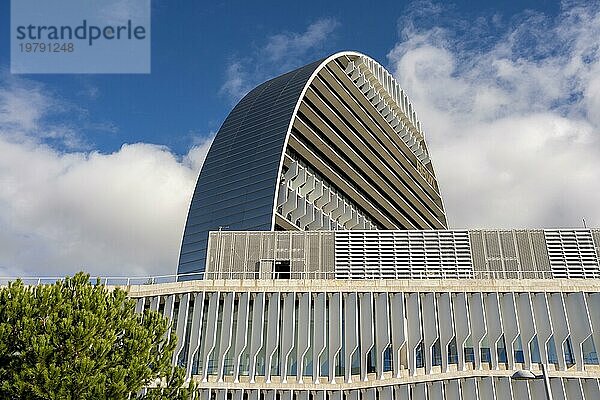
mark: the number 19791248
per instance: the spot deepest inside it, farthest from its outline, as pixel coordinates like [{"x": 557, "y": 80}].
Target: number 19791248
[{"x": 42, "y": 47}]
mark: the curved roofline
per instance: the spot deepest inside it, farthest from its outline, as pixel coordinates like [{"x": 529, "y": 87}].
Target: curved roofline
[
  {"x": 297, "y": 107},
  {"x": 239, "y": 182}
]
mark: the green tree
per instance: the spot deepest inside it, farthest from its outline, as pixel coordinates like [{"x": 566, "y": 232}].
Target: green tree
[{"x": 77, "y": 340}]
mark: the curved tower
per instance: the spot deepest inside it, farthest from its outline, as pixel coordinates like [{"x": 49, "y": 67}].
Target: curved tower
[{"x": 333, "y": 145}]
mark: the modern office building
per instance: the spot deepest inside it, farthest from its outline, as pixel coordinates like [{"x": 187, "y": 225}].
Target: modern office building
[
  {"x": 317, "y": 263},
  {"x": 334, "y": 145}
]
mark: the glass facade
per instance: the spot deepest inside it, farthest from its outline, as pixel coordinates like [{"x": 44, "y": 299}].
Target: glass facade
[{"x": 236, "y": 187}]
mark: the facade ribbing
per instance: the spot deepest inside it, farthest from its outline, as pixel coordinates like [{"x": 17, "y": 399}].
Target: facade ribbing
[{"x": 333, "y": 145}]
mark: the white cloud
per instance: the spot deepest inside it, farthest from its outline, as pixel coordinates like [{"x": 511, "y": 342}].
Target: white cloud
[
  {"x": 109, "y": 214},
  {"x": 21, "y": 107},
  {"x": 236, "y": 83},
  {"x": 281, "y": 53},
  {"x": 118, "y": 12},
  {"x": 514, "y": 129},
  {"x": 293, "y": 45},
  {"x": 24, "y": 106}
]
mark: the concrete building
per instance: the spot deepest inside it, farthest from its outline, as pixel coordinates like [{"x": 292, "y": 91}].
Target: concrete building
[{"x": 384, "y": 339}]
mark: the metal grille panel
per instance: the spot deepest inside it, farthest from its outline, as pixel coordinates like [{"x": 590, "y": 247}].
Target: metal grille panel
[
  {"x": 499, "y": 254},
  {"x": 402, "y": 254},
  {"x": 253, "y": 255},
  {"x": 596, "y": 236},
  {"x": 510, "y": 254},
  {"x": 572, "y": 253}
]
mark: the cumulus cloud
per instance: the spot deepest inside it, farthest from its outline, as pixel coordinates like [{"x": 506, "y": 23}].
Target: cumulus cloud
[
  {"x": 280, "y": 53},
  {"x": 512, "y": 119},
  {"x": 294, "y": 45},
  {"x": 113, "y": 214}
]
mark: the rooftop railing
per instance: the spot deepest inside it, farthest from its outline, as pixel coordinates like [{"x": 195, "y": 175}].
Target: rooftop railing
[
  {"x": 305, "y": 275},
  {"x": 110, "y": 280}
]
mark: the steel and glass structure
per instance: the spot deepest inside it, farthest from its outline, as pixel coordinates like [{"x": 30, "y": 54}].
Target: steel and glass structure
[
  {"x": 319, "y": 263},
  {"x": 333, "y": 145}
]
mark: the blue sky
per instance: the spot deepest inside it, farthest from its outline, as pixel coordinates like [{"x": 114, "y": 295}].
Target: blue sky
[
  {"x": 194, "y": 44},
  {"x": 96, "y": 171}
]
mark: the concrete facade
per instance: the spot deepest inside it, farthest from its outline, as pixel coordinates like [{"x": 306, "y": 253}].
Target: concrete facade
[{"x": 432, "y": 339}]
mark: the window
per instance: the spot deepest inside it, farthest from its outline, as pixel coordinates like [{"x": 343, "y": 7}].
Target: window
[{"x": 282, "y": 269}]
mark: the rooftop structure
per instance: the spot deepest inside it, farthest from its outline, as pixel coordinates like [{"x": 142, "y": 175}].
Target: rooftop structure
[{"x": 481, "y": 254}]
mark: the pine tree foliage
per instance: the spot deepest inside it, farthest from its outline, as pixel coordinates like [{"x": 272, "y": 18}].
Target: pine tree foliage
[{"x": 77, "y": 340}]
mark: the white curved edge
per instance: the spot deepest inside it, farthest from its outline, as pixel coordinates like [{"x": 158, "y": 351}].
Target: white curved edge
[{"x": 295, "y": 113}]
